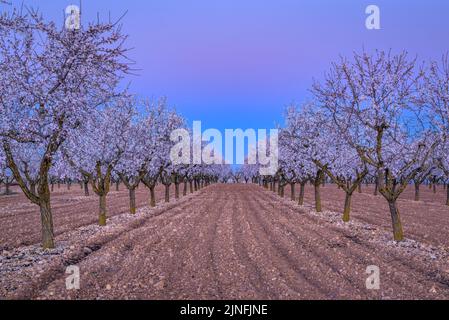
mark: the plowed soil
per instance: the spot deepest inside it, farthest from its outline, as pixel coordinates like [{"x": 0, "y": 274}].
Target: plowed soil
[
  {"x": 20, "y": 219},
  {"x": 245, "y": 242}
]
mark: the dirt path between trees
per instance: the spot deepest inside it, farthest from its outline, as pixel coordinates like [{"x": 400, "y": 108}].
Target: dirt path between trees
[{"x": 244, "y": 242}]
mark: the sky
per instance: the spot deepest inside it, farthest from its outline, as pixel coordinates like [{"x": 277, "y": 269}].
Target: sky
[{"x": 238, "y": 63}]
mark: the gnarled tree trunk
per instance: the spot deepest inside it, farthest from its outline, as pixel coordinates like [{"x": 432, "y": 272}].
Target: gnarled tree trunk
[
  {"x": 132, "y": 200},
  {"x": 396, "y": 221},
  {"x": 318, "y": 206},
  {"x": 184, "y": 191},
  {"x": 152, "y": 196},
  {"x": 301, "y": 193},
  {"x": 416, "y": 191},
  {"x": 177, "y": 190},
  {"x": 7, "y": 188},
  {"x": 103, "y": 213},
  {"x": 447, "y": 193},
  {"x": 86, "y": 188},
  {"x": 167, "y": 193},
  {"x": 46, "y": 224},
  {"x": 347, "y": 209}
]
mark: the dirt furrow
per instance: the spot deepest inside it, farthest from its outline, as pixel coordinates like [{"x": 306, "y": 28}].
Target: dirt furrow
[
  {"x": 241, "y": 242},
  {"x": 401, "y": 273}
]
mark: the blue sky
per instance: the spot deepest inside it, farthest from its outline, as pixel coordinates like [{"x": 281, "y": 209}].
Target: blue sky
[{"x": 238, "y": 63}]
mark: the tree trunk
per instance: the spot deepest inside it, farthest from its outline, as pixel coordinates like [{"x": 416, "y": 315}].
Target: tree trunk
[
  {"x": 52, "y": 187},
  {"x": 86, "y": 188},
  {"x": 7, "y": 189},
  {"x": 152, "y": 197},
  {"x": 396, "y": 221},
  {"x": 191, "y": 186},
  {"x": 102, "y": 215},
  {"x": 318, "y": 207},
  {"x": 360, "y": 188},
  {"x": 117, "y": 186},
  {"x": 292, "y": 192},
  {"x": 347, "y": 209},
  {"x": 301, "y": 194},
  {"x": 184, "y": 192},
  {"x": 176, "y": 191},
  {"x": 132, "y": 201},
  {"x": 434, "y": 188},
  {"x": 376, "y": 187},
  {"x": 47, "y": 224},
  {"x": 416, "y": 191},
  {"x": 447, "y": 192},
  {"x": 167, "y": 193}
]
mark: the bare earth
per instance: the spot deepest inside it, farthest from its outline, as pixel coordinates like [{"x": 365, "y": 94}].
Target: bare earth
[
  {"x": 239, "y": 242},
  {"x": 20, "y": 220}
]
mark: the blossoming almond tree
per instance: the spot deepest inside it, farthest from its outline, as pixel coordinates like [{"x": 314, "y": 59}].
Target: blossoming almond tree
[
  {"x": 51, "y": 79},
  {"x": 96, "y": 148},
  {"x": 435, "y": 94},
  {"x": 312, "y": 138},
  {"x": 301, "y": 136},
  {"x": 133, "y": 163},
  {"x": 372, "y": 103},
  {"x": 159, "y": 123}
]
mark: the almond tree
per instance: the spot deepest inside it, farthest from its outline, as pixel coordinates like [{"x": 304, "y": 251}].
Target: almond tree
[
  {"x": 98, "y": 146},
  {"x": 51, "y": 79},
  {"x": 151, "y": 178},
  {"x": 250, "y": 172},
  {"x": 309, "y": 131},
  {"x": 372, "y": 102},
  {"x": 338, "y": 161},
  {"x": 166, "y": 178},
  {"x": 302, "y": 140},
  {"x": 435, "y": 94},
  {"x": 225, "y": 174},
  {"x": 288, "y": 164},
  {"x": 159, "y": 123},
  {"x": 133, "y": 162}
]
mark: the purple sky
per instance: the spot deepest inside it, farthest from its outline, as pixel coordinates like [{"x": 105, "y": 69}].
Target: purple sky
[{"x": 238, "y": 63}]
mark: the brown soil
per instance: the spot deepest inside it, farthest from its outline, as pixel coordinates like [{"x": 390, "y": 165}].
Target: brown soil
[
  {"x": 20, "y": 219},
  {"x": 244, "y": 242}
]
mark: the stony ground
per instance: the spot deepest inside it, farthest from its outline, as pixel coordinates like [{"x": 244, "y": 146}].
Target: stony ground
[{"x": 242, "y": 242}]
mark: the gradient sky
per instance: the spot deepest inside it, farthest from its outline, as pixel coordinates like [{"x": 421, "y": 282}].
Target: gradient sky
[{"x": 238, "y": 63}]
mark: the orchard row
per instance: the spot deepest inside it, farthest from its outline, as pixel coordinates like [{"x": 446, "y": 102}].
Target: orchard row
[
  {"x": 380, "y": 118},
  {"x": 65, "y": 116}
]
